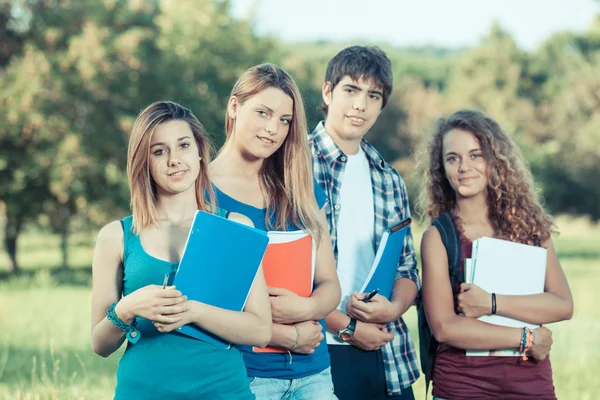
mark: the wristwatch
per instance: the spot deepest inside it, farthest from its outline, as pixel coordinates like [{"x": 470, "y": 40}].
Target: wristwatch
[{"x": 348, "y": 332}]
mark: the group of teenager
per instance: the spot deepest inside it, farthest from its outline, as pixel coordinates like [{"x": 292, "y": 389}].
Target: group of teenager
[{"x": 332, "y": 183}]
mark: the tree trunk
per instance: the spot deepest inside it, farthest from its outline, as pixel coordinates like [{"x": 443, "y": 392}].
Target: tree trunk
[
  {"x": 12, "y": 229},
  {"x": 64, "y": 236}
]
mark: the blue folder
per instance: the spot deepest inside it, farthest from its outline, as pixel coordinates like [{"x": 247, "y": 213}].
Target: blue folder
[
  {"x": 218, "y": 267},
  {"x": 383, "y": 271}
]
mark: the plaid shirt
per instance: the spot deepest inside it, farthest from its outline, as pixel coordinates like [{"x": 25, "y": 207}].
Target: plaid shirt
[{"x": 390, "y": 203}]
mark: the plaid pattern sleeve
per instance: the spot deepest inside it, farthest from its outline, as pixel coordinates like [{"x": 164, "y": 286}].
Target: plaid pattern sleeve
[{"x": 390, "y": 202}]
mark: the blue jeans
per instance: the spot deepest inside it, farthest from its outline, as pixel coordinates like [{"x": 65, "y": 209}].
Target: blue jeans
[{"x": 318, "y": 386}]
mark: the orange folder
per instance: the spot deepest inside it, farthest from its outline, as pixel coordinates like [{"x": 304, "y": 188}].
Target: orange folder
[{"x": 289, "y": 263}]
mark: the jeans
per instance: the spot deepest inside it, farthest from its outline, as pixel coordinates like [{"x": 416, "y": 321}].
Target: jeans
[{"x": 318, "y": 386}]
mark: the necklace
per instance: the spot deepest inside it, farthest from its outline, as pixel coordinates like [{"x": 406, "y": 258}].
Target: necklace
[{"x": 469, "y": 225}]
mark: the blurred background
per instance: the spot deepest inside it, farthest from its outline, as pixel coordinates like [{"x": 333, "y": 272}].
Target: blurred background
[{"x": 75, "y": 73}]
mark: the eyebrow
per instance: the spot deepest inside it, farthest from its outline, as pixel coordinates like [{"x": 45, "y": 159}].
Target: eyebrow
[
  {"x": 453, "y": 153},
  {"x": 273, "y": 112},
  {"x": 163, "y": 143},
  {"x": 350, "y": 86}
]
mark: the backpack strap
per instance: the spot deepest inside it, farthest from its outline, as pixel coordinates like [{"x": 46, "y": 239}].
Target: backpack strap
[
  {"x": 451, "y": 239},
  {"x": 428, "y": 345}
]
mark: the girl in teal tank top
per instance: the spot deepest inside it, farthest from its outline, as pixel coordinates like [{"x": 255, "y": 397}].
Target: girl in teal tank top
[{"x": 167, "y": 168}]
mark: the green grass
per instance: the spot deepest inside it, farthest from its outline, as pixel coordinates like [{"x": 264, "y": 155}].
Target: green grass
[{"x": 45, "y": 350}]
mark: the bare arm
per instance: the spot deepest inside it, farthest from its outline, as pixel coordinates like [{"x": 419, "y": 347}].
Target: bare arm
[
  {"x": 327, "y": 294},
  {"x": 250, "y": 327},
  {"x": 287, "y": 307},
  {"x": 309, "y": 337},
  {"x": 107, "y": 284},
  {"x": 448, "y": 327},
  {"x": 150, "y": 302},
  {"x": 555, "y": 304}
]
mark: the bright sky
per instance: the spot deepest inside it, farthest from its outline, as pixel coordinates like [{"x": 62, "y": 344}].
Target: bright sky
[{"x": 448, "y": 23}]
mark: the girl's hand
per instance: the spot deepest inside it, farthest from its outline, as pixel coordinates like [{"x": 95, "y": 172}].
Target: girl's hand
[
  {"x": 473, "y": 301},
  {"x": 183, "y": 318},
  {"x": 543, "y": 343},
  {"x": 287, "y": 307},
  {"x": 311, "y": 336},
  {"x": 154, "y": 303}
]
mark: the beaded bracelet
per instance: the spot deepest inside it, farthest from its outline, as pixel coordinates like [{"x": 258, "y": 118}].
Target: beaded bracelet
[
  {"x": 527, "y": 342},
  {"x": 133, "y": 335}
]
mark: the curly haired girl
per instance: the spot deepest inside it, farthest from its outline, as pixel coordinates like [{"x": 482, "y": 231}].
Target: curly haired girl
[{"x": 476, "y": 175}]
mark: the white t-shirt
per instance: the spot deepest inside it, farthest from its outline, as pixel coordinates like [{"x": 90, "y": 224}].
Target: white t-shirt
[{"x": 355, "y": 230}]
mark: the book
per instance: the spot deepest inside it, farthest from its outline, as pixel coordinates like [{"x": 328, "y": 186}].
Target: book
[
  {"x": 383, "y": 271},
  {"x": 289, "y": 263},
  {"x": 219, "y": 264},
  {"x": 508, "y": 268}
]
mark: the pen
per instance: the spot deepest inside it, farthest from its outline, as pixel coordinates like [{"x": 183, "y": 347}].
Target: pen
[
  {"x": 371, "y": 295},
  {"x": 165, "y": 281}
]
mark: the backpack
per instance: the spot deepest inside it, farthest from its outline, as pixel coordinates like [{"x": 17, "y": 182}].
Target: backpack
[{"x": 427, "y": 343}]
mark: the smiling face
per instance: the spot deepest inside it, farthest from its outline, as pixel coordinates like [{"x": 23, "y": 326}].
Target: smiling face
[
  {"x": 262, "y": 122},
  {"x": 174, "y": 158},
  {"x": 353, "y": 108},
  {"x": 464, "y": 164}
]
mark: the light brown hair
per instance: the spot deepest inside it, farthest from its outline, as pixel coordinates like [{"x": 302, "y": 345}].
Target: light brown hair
[
  {"x": 286, "y": 176},
  {"x": 141, "y": 184}
]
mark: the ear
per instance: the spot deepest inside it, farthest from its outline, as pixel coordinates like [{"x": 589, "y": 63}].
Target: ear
[
  {"x": 326, "y": 93},
  {"x": 232, "y": 107}
]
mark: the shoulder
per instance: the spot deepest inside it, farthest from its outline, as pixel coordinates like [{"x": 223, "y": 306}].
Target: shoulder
[
  {"x": 395, "y": 176},
  {"x": 241, "y": 218},
  {"x": 110, "y": 240},
  {"x": 431, "y": 236},
  {"x": 112, "y": 232},
  {"x": 433, "y": 251},
  {"x": 377, "y": 159}
]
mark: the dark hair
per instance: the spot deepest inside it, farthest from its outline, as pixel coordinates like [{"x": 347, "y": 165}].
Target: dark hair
[
  {"x": 366, "y": 62},
  {"x": 514, "y": 205}
]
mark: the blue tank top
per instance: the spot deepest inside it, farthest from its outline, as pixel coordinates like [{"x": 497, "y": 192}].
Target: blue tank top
[
  {"x": 277, "y": 365},
  {"x": 169, "y": 365}
]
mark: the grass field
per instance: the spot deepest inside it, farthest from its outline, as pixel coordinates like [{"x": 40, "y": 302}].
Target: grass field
[{"x": 45, "y": 348}]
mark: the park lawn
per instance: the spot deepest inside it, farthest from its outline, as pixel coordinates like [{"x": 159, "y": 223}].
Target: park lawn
[{"x": 45, "y": 350}]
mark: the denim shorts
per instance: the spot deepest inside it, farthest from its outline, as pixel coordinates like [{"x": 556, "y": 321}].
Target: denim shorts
[{"x": 318, "y": 386}]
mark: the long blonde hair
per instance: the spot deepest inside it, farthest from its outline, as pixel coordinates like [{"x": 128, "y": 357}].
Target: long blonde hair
[
  {"x": 514, "y": 206},
  {"x": 286, "y": 177},
  {"x": 141, "y": 185}
]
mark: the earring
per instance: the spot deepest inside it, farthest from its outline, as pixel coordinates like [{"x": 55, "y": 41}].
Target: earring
[{"x": 200, "y": 158}]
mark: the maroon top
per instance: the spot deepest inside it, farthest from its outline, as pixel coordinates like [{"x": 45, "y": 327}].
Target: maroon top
[{"x": 456, "y": 376}]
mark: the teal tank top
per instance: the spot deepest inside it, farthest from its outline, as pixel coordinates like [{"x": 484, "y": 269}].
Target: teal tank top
[{"x": 169, "y": 365}]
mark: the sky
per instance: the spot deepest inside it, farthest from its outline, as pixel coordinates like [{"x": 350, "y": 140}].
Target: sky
[{"x": 444, "y": 23}]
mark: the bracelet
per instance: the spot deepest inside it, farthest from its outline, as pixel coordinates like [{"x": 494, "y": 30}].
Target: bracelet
[
  {"x": 133, "y": 335},
  {"x": 527, "y": 342},
  {"x": 523, "y": 340},
  {"x": 295, "y": 346},
  {"x": 493, "y": 303}
]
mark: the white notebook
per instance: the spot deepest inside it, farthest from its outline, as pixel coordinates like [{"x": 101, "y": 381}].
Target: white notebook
[{"x": 504, "y": 267}]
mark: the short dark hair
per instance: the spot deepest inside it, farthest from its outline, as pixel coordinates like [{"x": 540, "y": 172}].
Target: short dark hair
[{"x": 366, "y": 62}]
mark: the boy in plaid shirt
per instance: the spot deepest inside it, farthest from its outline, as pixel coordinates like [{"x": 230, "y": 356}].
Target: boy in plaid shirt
[{"x": 372, "y": 352}]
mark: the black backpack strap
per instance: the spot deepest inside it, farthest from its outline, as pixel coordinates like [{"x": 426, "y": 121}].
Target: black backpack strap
[
  {"x": 451, "y": 239},
  {"x": 427, "y": 344}
]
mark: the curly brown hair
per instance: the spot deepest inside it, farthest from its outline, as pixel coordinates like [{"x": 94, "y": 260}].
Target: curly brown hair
[{"x": 514, "y": 206}]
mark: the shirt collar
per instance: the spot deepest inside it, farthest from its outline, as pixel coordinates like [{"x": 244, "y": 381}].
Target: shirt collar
[{"x": 327, "y": 147}]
